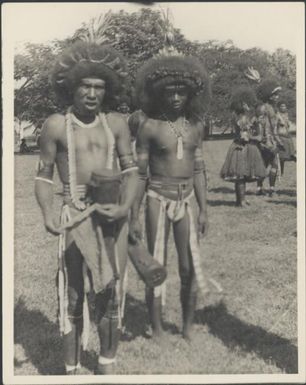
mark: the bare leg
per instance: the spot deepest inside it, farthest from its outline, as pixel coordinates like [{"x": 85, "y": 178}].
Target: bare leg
[
  {"x": 188, "y": 284},
  {"x": 273, "y": 175},
  {"x": 109, "y": 333},
  {"x": 282, "y": 165},
  {"x": 154, "y": 303},
  {"x": 107, "y": 307},
  {"x": 240, "y": 193},
  {"x": 259, "y": 187},
  {"x": 72, "y": 340}
]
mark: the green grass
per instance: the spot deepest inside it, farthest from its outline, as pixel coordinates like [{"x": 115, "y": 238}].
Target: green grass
[{"x": 251, "y": 252}]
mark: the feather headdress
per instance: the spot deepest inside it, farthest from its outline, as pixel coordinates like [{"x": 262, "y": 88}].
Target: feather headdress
[
  {"x": 89, "y": 55},
  {"x": 266, "y": 87},
  {"x": 169, "y": 66}
]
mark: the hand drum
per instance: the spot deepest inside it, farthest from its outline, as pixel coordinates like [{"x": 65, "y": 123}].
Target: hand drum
[
  {"x": 150, "y": 271},
  {"x": 104, "y": 190}
]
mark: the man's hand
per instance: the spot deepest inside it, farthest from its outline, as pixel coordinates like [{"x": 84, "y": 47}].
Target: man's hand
[
  {"x": 52, "y": 227},
  {"x": 112, "y": 212},
  {"x": 135, "y": 230},
  {"x": 202, "y": 224}
]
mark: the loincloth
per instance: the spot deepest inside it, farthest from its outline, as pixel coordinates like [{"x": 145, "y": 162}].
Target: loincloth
[
  {"x": 175, "y": 210},
  {"x": 103, "y": 247}
]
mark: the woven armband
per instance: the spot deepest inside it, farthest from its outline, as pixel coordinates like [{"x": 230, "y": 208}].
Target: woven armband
[
  {"x": 45, "y": 171},
  {"x": 127, "y": 163},
  {"x": 199, "y": 166}
]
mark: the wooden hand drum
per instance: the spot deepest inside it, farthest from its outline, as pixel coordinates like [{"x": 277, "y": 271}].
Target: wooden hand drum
[{"x": 150, "y": 271}]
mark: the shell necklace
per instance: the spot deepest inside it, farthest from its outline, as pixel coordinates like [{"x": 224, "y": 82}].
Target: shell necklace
[
  {"x": 178, "y": 132},
  {"x": 75, "y": 196}
]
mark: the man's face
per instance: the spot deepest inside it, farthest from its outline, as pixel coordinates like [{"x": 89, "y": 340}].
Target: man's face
[
  {"x": 174, "y": 97},
  {"x": 283, "y": 108},
  {"x": 89, "y": 95},
  {"x": 124, "y": 108},
  {"x": 274, "y": 97}
]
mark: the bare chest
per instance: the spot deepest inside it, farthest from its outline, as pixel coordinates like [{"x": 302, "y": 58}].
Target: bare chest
[
  {"x": 167, "y": 136},
  {"x": 86, "y": 140}
]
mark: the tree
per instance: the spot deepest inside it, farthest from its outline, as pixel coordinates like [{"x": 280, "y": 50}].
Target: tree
[
  {"x": 139, "y": 36},
  {"x": 34, "y": 98}
]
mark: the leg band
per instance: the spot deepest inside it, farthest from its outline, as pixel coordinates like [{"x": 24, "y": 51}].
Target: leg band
[
  {"x": 106, "y": 361},
  {"x": 69, "y": 368}
]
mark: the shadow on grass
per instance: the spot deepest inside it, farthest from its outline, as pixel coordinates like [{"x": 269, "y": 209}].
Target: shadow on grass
[
  {"x": 283, "y": 202},
  {"x": 218, "y": 202},
  {"x": 136, "y": 320},
  {"x": 39, "y": 338},
  {"x": 235, "y": 333},
  {"x": 287, "y": 192},
  {"x": 223, "y": 190}
]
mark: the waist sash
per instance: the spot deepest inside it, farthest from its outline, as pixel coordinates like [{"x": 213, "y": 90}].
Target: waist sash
[{"x": 175, "y": 211}]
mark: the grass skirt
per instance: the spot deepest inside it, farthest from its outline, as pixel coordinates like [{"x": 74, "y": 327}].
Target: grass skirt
[{"x": 243, "y": 162}]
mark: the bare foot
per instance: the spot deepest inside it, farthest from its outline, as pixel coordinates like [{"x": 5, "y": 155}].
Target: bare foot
[
  {"x": 104, "y": 369},
  {"x": 188, "y": 334},
  {"x": 159, "y": 337},
  {"x": 245, "y": 203}
]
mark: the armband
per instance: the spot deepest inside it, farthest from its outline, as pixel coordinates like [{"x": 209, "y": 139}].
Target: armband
[
  {"x": 44, "y": 180},
  {"x": 127, "y": 163},
  {"x": 199, "y": 166},
  {"x": 198, "y": 156},
  {"x": 45, "y": 171},
  {"x": 143, "y": 175}
]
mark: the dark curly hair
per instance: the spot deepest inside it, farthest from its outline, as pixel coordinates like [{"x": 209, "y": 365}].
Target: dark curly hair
[
  {"x": 240, "y": 95},
  {"x": 158, "y": 72},
  {"x": 83, "y": 60},
  {"x": 265, "y": 89}
]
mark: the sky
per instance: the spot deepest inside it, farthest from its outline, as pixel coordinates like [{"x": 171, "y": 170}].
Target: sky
[{"x": 265, "y": 25}]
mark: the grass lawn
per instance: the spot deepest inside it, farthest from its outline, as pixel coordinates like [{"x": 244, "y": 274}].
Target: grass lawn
[{"x": 251, "y": 252}]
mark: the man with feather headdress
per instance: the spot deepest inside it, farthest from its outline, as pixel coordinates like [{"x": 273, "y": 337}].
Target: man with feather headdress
[
  {"x": 90, "y": 146},
  {"x": 268, "y": 91},
  {"x": 172, "y": 90}
]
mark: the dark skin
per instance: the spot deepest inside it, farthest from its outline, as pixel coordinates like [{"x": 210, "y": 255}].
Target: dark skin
[
  {"x": 91, "y": 151},
  {"x": 243, "y": 125},
  {"x": 268, "y": 110},
  {"x": 157, "y": 151},
  {"x": 91, "y": 156}
]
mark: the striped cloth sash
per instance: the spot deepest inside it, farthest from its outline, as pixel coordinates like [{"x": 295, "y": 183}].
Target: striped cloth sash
[{"x": 175, "y": 211}]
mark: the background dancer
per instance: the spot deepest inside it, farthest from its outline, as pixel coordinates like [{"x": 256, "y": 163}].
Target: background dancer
[{"x": 243, "y": 161}]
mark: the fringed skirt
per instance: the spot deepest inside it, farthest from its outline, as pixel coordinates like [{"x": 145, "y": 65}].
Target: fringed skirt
[
  {"x": 288, "y": 151},
  {"x": 243, "y": 162}
]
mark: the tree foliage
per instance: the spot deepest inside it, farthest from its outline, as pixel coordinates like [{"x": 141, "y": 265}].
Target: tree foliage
[{"x": 140, "y": 35}]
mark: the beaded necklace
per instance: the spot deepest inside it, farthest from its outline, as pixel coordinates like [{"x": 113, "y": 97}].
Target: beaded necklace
[
  {"x": 178, "y": 132},
  {"x": 75, "y": 196}
]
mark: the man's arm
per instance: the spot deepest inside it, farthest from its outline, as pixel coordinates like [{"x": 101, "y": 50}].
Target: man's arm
[
  {"x": 44, "y": 178},
  {"x": 114, "y": 212},
  {"x": 200, "y": 189},
  {"x": 273, "y": 119},
  {"x": 127, "y": 164},
  {"x": 256, "y": 130},
  {"x": 142, "y": 147},
  {"x": 135, "y": 121}
]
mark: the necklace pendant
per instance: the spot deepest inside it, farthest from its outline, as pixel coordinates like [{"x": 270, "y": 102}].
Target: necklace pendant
[{"x": 179, "y": 150}]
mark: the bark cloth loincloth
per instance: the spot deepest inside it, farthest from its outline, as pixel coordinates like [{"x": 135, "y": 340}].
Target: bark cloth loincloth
[
  {"x": 106, "y": 260},
  {"x": 175, "y": 210}
]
